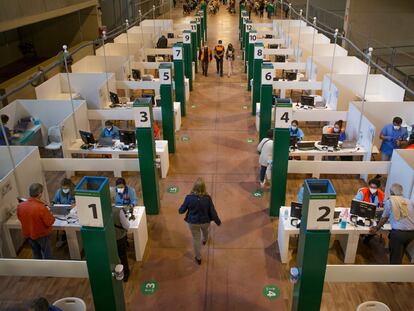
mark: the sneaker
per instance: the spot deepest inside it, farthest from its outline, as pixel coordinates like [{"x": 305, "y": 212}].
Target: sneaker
[
  {"x": 198, "y": 260},
  {"x": 60, "y": 243}
]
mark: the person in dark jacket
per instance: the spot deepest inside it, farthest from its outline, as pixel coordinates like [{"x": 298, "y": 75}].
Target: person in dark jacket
[
  {"x": 200, "y": 212},
  {"x": 122, "y": 225}
]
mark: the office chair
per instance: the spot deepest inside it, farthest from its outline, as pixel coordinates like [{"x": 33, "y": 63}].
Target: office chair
[
  {"x": 55, "y": 140},
  {"x": 70, "y": 304}
]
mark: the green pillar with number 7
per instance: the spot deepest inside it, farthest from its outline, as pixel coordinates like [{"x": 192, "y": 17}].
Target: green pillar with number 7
[
  {"x": 167, "y": 111},
  {"x": 94, "y": 209},
  {"x": 281, "y": 137},
  {"x": 257, "y": 74},
  {"x": 179, "y": 76},
  {"x": 318, "y": 207},
  {"x": 250, "y": 57},
  {"x": 188, "y": 63},
  {"x": 144, "y": 132}
]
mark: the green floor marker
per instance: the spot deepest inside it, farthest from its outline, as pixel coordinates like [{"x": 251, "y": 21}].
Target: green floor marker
[
  {"x": 271, "y": 292},
  {"x": 173, "y": 189},
  {"x": 149, "y": 287},
  {"x": 193, "y": 106},
  {"x": 258, "y": 193},
  {"x": 245, "y": 107},
  {"x": 185, "y": 138},
  {"x": 250, "y": 140}
]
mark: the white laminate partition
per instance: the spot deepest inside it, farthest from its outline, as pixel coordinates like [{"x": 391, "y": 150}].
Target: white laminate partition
[
  {"x": 369, "y": 273},
  {"x": 115, "y": 64},
  {"x": 402, "y": 171}
]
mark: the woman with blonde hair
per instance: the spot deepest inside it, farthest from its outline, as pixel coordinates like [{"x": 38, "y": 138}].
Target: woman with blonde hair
[{"x": 200, "y": 212}]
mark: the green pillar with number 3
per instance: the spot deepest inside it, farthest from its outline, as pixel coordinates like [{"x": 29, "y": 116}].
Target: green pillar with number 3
[{"x": 319, "y": 201}]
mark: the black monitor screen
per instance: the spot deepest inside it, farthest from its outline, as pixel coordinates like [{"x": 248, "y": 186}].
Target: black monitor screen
[
  {"x": 363, "y": 209},
  {"x": 114, "y": 98},
  {"x": 330, "y": 140},
  {"x": 87, "y": 137},
  {"x": 307, "y": 100},
  {"x": 136, "y": 74},
  {"x": 290, "y": 75},
  {"x": 296, "y": 210},
  {"x": 280, "y": 58},
  {"x": 127, "y": 137},
  {"x": 170, "y": 35},
  {"x": 273, "y": 46}
]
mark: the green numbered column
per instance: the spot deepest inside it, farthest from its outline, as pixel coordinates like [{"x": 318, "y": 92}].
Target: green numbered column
[
  {"x": 179, "y": 76},
  {"x": 203, "y": 26},
  {"x": 266, "y": 99},
  {"x": 257, "y": 75},
  {"x": 94, "y": 208},
  {"x": 200, "y": 41},
  {"x": 167, "y": 105},
  {"x": 318, "y": 207},
  {"x": 194, "y": 43},
  {"x": 241, "y": 14},
  {"x": 245, "y": 19},
  {"x": 146, "y": 154},
  {"x": 188, "y": 64},
  {"x": 281, "y": 137},
  {"x": 248, "y": 28},
  {"x": 204, "y": 8},
  {"x": 250, "y": 57}
]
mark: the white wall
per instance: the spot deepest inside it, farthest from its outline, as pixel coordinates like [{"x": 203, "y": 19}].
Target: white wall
[
  {"x": 342, "y": 65},
  {"x": 402, "y": 171},
  {"x": 115, "y": 64},
  {"x": 120, "y": 49}
]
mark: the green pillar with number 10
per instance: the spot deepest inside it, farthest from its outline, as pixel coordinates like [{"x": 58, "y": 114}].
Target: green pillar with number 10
[
  {"x": 144, "y": 132},
  {"x": 318, "y": 207},
  {"x": 257, "y": 74},
  {"x": 179, "y": 76},
  {"x": 167, "y": 111}
]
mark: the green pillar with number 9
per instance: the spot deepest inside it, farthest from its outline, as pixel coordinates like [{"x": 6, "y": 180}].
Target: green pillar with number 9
[
  {"x": 188, "y": 64},
  {"x": 94, "y": 208},
  {"x": 318, "y": 207},
  {"x": 146, "y": 154}
]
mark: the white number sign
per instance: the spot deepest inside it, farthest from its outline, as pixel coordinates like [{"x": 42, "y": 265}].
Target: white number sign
[
  {"x": 258, "y": 52},
  {"x": 248, "y": 27},
  {"x": 267, "y": 76},
  {"x": 198, "y": 20},
  {"x": 283, "y": 117},
  {"x": 252, "y": 38},
  {"x": 142, "y": 117},
  {"x": 177, "y": 53},
  {"x": 321, "y": 214},
  {"x": 193, "y": 27},
  {"x": 186, "y": 38},
  {"x": 165, "y": 76},
  {"x": 89, "y": 211}
]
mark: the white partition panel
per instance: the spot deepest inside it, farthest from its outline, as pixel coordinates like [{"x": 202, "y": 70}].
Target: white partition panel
[
  {"x": 342, "y": 65},
  {"x": 115, "y": 64},
  {"x": 145, "y": 39},
  {"x": 121, "y": 49},
  {"x": 322, "y": 50},
  {"x": 402, "y": 171}
]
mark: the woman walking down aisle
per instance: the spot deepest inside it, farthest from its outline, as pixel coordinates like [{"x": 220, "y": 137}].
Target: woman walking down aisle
[{"x": 230, "y": 56}]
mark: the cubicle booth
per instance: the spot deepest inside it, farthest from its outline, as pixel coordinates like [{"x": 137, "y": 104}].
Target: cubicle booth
[
  {"x": 146, "y": 40},
  {"x": 402, "y": 172},
  {"x": 92, "y": 87},
  {"x": 326, "y": 49},
  {"x": 341, "y": 65},
  {"x": 97, "y": 64},
  {"x": 133, "y": 50},
  {"x": 15, "y": 180},
  {"x": 379, "y": 89}
]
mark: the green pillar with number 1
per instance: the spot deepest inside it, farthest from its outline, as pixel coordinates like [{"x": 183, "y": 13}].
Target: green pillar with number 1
[
  {"x": 144, "y": 132},
  {"x": 179, "y": 76},
  {"x": 257, "y": 74},
  {"x": 167, "y": 106}
]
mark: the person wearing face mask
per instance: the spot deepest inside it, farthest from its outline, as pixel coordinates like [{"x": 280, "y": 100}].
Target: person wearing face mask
[
  {"x": 372, "y": 193},
  {"x": 65, "y": 194},
  {"x": 125, "y": 195},
  {"x": 399, "y": 211},
  {"x": 110, "y": 131},
  {"x": 337, "y": 129},
  {"x": 393, "y": 137},
  {"x": 295, "y": 131},
  {"x": 205, "y": 57}
]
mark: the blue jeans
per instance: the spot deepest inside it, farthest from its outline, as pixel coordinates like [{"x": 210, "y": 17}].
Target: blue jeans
[
  {"x": 41, "y": 248},
  {"x": 262, "y": 173}
]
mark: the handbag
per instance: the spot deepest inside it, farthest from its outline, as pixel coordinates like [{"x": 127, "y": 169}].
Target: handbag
[{"x": 260, "y": 151}]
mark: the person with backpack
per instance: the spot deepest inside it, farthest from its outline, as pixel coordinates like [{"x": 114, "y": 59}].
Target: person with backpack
[
  {"x": 265, "y": 149},
  {"x": 219, "y": 56},
  {"x": 200, "y": 211},
  {"x": 205, "y": 57}
]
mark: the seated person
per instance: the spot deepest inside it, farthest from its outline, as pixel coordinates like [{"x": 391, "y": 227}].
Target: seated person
[
  {"x": 110, "y": 131},
  {"x": 299, "y": 198},
  {"x": 392, "y": 136},
  {"x": 157, "y": 131},
  {"x": 4, "y": 120},
  {"x": 65, "y": 194},
  {"x": 41, "y": 304},
  {"x": 410, "y": 143},
  {"x": 294, "y": 130},
  {"x": 337, "y": 129},
  {"x": 372, "y": 193},
  {"x": 400, "y": 213},
  {"x": 124, "y": 195}
]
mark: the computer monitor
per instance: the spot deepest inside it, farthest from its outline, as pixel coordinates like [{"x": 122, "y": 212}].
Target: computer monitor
[
  {"x": 306, "y": 100},
  {"x": 127, "y": 137},
  {"x": 280, "y": 58},
  {"x": 136, "y": 74},
  {"x": 290, "y": 75},
  {"x": 363, "y": 209},
  {"x": 114, "y": 98},
  {"x": 170, "y": 35},
  {"x": 330, "y": 140},
  {"x": 296, "y": 210},
  {"x": 87, "y": 137},
  {"x": 268, "y": 36},
  {"x": 273, "y": 46},
  {"x": 292, "y": 141},
  {"x": 149, "y": 96}
]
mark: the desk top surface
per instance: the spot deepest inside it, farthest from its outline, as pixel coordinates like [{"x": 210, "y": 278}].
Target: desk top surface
[
  {"x": 358, "y": 150},
  {"x": 21, "y": 138},
  {"x": 160, "y": 146}
]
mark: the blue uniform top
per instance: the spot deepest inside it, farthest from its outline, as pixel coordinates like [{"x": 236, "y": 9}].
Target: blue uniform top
[
  {"x": 407, "y": 223},
  {"x": 391, "y": 136},
  {"x": 113, "y": 133},
  {"x": 8, "y": 136},
  {"x": 63, "y": 198},
  {"x": 297, "y": 133},
  {"x": 128, "y": 197},
  {"x": 300, "y": 195}
]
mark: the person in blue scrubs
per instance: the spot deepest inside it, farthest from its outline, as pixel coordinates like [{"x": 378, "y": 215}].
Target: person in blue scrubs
[
  {"x": 299, "y": 198},
  {"x": 3, "y": 137},
  {"x": 295, "y": 131},
  {"x": 65, "y": 194},
  {"x": 125, "y": 195},
  {"x": 110, "y": 130},
  {"x": 393, "y": 137}
]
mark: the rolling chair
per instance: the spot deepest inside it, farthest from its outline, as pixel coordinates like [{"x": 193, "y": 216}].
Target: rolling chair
[
  {"x": 70, "y": 304},
  {"x": 373, "y": 306}
]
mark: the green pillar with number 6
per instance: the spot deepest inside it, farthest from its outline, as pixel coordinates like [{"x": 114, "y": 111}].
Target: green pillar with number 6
[
  {"x": 318, "y": 207},
  {"x": 266, "y": 90}
]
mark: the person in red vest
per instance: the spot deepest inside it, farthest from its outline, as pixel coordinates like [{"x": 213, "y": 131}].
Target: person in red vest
[{"x": 372, "y": 193}]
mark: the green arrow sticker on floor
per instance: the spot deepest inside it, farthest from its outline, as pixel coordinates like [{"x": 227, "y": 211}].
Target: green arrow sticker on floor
[
  {"x": 271, "y": 292},
  {"x": 245, "y": 107},
  {"x": 149, "y": 287},
  {"x": 258, "y": 193},
  {"x": 173, "y": 189},
  {"x": 185, "y": 138},
  {"x": 193, "y": 106},
  {"x": 250, "y": 140}
]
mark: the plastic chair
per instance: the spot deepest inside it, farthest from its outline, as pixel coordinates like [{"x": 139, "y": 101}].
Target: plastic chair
[
  {"x": 373, "y": 306},
  {"x": 70, "y": 304},
  {"x": 55, "y": 138}
]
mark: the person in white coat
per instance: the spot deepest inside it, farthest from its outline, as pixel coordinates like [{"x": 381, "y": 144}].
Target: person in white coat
[{"x": 265, "y": 149}]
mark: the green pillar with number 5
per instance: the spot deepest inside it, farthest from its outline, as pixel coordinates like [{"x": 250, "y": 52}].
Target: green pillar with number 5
[
  {"x": 318, "y": 207},
  {"x": 281, "y": 137},
  {"x": 146, "y": 155},
  {"x": 167, "y": 106}
]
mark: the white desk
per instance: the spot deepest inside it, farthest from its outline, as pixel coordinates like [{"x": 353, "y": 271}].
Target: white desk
[
  {"x": 161, "y": 149},
  {"x": 138, "y": 228},
  {"x": 348, "y": 238},
  {"x": 318, "y": 154},
  {"x": 283, "y": 85}
]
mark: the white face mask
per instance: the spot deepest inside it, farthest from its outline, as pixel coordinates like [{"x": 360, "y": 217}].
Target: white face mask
[
  {"x": 294, "y": 127},
  {"x": 65, "y": 191},
  {"x": 109, "y": 129},
  {"x": 397, "y": 127},
  {"x": 336, "y": 130},
  {"x": 373, "y": 190},
  {"x": 120, "y": 190}
]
